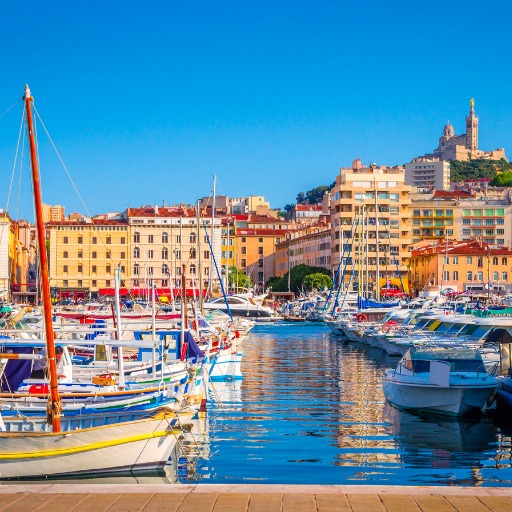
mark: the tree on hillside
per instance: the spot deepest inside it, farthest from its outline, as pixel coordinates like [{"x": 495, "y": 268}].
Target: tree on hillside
[
  {"x": 297, "y": 276},
  {"x": 502, "y": 180},
  {"x": 238, "y": 278}
]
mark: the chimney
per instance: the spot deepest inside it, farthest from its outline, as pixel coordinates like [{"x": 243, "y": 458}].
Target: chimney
[{"x": 156, "y": 209}]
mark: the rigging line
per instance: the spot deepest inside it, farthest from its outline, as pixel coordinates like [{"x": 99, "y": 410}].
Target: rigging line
[
  {"x": 21, "y": 167},
  {"x": 12, "y": 107},
  {"x": 15, "y": 159}
]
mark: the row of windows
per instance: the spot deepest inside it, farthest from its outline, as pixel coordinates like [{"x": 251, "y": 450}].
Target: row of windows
[
  {"x": 432, "y": 213},
  {"x": 479, "y": 232},
  {"x": 480, "y": 222},
  {"x": 94, "y": 240},
  {"x": 478, "y": 276},
  {"x": 95, "y": 228},
  {"x": 94, "y": 254},
  {"x": 165, "y": 253},
  {"x": 469, "y": 260},
  {"x": 165, "y": 270},
  {"x": 489, "y": 212},
  {"x": 94, "y": 268}
]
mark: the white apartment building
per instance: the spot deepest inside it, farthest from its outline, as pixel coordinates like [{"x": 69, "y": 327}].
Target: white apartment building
[{"x": 428, "y": 173}]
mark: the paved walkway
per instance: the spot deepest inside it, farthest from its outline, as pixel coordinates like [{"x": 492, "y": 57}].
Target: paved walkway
[{"x": 250, "y": 498}]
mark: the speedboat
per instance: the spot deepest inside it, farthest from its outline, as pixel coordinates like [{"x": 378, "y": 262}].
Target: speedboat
[
  {"x": 240, "y": 306},
  {"x": 452, "y": 381}
]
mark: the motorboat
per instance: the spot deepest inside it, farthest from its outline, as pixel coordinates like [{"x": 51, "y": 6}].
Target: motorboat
[
  {"x": 240, "y": 306},
  {"x": 445, "y": 380}
]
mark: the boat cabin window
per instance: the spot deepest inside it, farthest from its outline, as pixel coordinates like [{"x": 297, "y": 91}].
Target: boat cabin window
[
  {"x": 232, "y": 300},
  {"x": 455, "y": 328},
  {"x": 481, "y": 332},
  {"x": 422, "y": 322},
  {"x": 442, "y": 327},
  {"x": 469, "y": 329}
]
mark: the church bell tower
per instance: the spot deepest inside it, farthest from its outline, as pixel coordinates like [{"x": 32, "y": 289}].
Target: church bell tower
[{"x": 472, "y": 129}]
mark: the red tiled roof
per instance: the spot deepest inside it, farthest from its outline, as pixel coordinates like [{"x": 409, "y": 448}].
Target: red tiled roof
[
  {"x": 95, "y": 222},
  {"x": 308, "y": 207},
  {"x": 471, "y": 248},
  {"x": 262, "y": 232},
  {"x": 162, "y": 212},
  {"x": 452, "y": 193},
  {"x": 263, "y": 219}
]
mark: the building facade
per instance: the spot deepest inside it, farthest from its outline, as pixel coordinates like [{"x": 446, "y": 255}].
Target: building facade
[
  {"x": 428, "y": 173},
  {"x": 53, "y": 213},
  {"x": 358, "y": 188},
  {"x": 470, "y": 266}
]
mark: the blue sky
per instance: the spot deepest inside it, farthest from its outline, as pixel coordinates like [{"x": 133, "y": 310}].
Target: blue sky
[{"x": 146, "y": 101}]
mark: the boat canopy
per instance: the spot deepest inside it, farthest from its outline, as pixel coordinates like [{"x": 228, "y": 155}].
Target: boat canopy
[{"x": 445, "y": 354}]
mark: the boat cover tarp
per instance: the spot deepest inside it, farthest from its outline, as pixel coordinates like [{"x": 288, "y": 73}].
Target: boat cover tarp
[
  {"x": 193, "y": 349},
  {"x": 16, "y": 370},
  {"x": 367, "y": 303},
  {"x": 498, "y": 336},
  {"x": 444, "y": 354}
]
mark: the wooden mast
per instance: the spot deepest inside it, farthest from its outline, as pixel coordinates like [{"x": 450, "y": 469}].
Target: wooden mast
[{"x": 55, "y": 404}]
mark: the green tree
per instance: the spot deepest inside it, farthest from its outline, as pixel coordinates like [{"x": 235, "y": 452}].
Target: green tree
[
  {"x": 300, "y": 197},
  {"x": 238, "y": 278},
  {"x": 317, "y": 281},
  {"x": 297, "y": 276}
]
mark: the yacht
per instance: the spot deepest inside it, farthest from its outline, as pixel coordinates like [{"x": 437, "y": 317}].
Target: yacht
[{"x": 241, "y": 306}]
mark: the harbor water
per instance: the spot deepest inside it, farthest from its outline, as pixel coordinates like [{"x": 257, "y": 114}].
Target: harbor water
[{"x": 311, "y": 410}]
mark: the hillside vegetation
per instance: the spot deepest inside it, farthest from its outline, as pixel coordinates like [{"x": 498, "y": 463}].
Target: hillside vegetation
[{"x": 477, "y": 169}]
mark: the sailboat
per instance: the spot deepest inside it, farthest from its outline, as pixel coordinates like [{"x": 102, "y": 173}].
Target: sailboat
[{"x": 145, "y": 443}]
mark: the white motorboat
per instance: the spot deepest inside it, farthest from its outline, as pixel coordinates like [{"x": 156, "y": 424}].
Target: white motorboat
[
  {"x": 451, "y": 381},
  {"x": 240, "y": 306}
]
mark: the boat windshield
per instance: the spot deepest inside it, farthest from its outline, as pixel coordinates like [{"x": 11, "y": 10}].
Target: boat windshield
[
  {"x": 481, "y": 331},
  {"x": 460, "y": 359},
  {"x": 455, "y": 328},
  {"x": 442, "y": 327},
  {"x": 423, "y": 322}
]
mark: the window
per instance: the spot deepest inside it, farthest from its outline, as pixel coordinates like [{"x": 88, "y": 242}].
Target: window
[
  {"x": 108, "y": 269},
  {"x": 65, "y": 270},
  {"x": 449, "y": 213},
  {"x": 466, "y": 222},
  {"x": 244, "y": 250},
  {"x": 80, "y": 282},
  {"x": 244, "y": 263},
  {"x": 480, "y": 262},
  {"x": 489, "y": 222},
  {"x": 165, "y": 253},
  {"x": 480, "y": 276},
  {"x": 164, "y": 282},
  {"x": 477, "y": 222},
  {"x": 193, "y": 253},
  {"x": 260, "y": 250},
  {"x": 495, "y": 261},
  {"x": 65, "y": 239},
  {"x": 192, "y": 238},
  {"x": 449, "y": 231},
  {"x": 178, "y": 239},
  {"x": 446, "y": 275},
  {"x": 165, "y": 238},
  {"x": 260, "y": 277},
  {"x": 192, "y": 269},
  {"x": 416, "y": 213},
  {"x": 165, "y": 269},
  {"x": 65, "y": 283},
  {"x": 489, "y": 232},
  {"x": 94, "y": 284},
  {"x": 107, "y": 282},
  {"x": 136, "y": 270},
  {"x": 455, "y": 260},
  {"x": 477, "y": 213},
  {"x": 466, "y": 213},
  {"x": 94, "y": 254},
  {"x": 469, "y": 260},
  {"x": 504, "y": 276},
  {"x": 136, "y": 238},
  {"x": 503, "y": 261},
  {"x": 469, "y": 275},
  {"x": 150, "y": 271},
  {"x": 123, "y": 240},
  {"x": 150, "y": 254},
  {"x": 455, "y": 275},
  {"x": 65, "y": 255},
  {"x": 122, "y": 282},
  {"x": 244, "y": 240},
  {"x": 136, "y": 252},
  {"x": 495, "y": 276},
  {"x": 94, "y": 240},
  {"x": 109, "y": 240},
  {"x": 260, "y": 240},
  {"x": 446, "y": 260},
  {"x": 278, "y": 240},
  {"x": 477, "y": 232},
  {"x": 123, "y": 255},
  {"x": 260, "y": 263},
  {"x": 80, "y": 239},
  {"x": 108, "y": 255},
  {"x": 178, "y": 271},
  {"x": 500, "y": 231},
  {"x": 439, "y": 213},
  {"x": 80, "y": 253},
  {"x": 177, "y": 254},
  {"x": 205, "y": 239},
  {"x": 150, "y": 239},
  {"x": 416, "y": 231},
  {"x": 489, "y": 213},
  {"x": 500, "y": 212},
  {"x": 500, "y": 221},
  {"x": 206, "y": 255},
  {"x": 206, "y": 271},
  {"x": 93, "y": 269}
]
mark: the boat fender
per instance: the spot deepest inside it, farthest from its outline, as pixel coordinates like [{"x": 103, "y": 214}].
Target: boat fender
[
  {"x": 38, "y": 389},
  {"x": 361, "y": 317},
  {"x": 237, "y": 334},
  {"x": 491, "y": 398}
]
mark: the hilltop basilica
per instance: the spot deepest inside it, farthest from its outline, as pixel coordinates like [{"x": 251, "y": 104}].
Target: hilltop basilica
[{"x": 463, "y": 147}]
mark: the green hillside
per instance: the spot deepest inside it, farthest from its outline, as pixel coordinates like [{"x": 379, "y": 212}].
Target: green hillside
[{"x": 477, "y": 169}]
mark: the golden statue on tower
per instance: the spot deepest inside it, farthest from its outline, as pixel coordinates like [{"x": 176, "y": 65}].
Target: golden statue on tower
[{"x": 472, "y": 103}]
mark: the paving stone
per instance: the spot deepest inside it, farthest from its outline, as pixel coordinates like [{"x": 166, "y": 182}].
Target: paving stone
[
  {"x": 497, "y": 503},
  {"x": 433, "y": 503},
  {"x": 299, "y": 503},
  {"x": 97, "y": 502},
  {"x": 29, "y": 502},
  {"x": 133, "y": 502},
  {"x": 198, "y": 502},
  {"x": 332, "y": 503},
  {"x": 8, "y": 499},
  {"x": 467, "y": 504},
  {"x": 365, "y": 503},
  {"x": 265, "y": 502},
  {"x": 399, "y": 503},
  {"x": 63, "y": 503},
  {"x": 164, "y": 502},
  {"x": 232, "y": 502}
]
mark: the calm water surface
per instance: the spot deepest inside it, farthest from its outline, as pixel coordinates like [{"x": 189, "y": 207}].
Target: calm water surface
[{"x": 311, "y": 410}]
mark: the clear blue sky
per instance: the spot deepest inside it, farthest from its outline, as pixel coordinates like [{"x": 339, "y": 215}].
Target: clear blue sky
[{"x": 147, "y": 100}]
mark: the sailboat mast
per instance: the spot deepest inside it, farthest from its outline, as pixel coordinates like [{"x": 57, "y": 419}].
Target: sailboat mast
[
  {"x": 55, "y": 409},
  {"x": 377, "y": 276}
]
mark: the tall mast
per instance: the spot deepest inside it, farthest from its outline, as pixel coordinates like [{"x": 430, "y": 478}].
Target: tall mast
[
  {"x": 56, "y": 406},
  {"x": 212, "y": 238},
  {"x": 377, "y": 277},
  {"x": 199, "y": 268}
]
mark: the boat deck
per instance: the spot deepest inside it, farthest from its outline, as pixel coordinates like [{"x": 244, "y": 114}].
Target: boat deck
[{"x": 250, "y": 498}]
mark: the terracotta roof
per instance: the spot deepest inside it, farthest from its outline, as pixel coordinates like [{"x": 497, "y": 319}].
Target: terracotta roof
[
  {"x": 452, "y": 193},
  {"x": 471, "y": 248},
  {"x": 262, "y": 232},
  {"x": 162, "y": 212},
  {"x": 95, "y": 222},
  {"x": 263, "y": 219},
  {"x": 308, "y": 207}
]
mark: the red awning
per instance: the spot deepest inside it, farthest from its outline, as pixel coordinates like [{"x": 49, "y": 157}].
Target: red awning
[{"x": 137, "y": 292}]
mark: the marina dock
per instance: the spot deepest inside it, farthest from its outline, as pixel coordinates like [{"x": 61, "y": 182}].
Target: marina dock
[{"x": 250, "y": 498}]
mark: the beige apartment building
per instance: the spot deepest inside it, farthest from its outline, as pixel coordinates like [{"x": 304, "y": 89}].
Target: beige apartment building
[
  {"x": 356, "y": 188},
  {"x": 162, "y": 239},
  {"x": 83, "y": 256},
  {"x": 53, "y": 213}
]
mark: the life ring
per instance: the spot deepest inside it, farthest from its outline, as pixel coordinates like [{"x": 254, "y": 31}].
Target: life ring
[{"x": 361, "y": 317}]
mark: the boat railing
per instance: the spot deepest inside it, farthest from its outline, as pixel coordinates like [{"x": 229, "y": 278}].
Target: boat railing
[{"x": 492, "y": 370}]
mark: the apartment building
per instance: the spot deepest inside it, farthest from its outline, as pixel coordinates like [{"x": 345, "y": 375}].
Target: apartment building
[
  {"x": 434, "y": 219},
  {"x": 164, "y": 239},
  {"x": 359, "y": 188},
  {"x": 83, "y": 256},
  {"x": 53, "y": 213},
  {"x": 428, "y": 173},
  {"x": 471, "y": 266}
]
